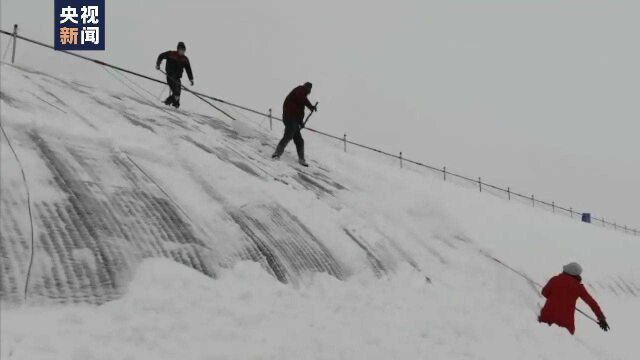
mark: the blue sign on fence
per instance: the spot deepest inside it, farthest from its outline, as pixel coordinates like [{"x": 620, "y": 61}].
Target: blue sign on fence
[{"x": 79, "y": 25}]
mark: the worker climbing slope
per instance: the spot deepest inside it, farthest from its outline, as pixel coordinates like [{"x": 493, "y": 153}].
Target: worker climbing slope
[
  {"x": 176, "y": 63},
  {"x": 293, "y": 115}
]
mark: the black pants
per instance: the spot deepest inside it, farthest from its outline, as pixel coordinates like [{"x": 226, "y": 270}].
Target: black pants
[
  {"x": 291, "y": 132},
  {"x": 175, "y": 85}
]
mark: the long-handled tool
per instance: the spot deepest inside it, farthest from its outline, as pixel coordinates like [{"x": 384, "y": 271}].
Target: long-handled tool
[
  {"x": 308, "y": 116},
  {"x": 197, "y": 95},
  {"x": 534, "y": 282}
]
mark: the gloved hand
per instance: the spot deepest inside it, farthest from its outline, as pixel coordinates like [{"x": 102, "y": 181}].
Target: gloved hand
[
  {"x": 314, "y": 108},
  {"x": 191, "y": 82},
  {"x": 603, "y": 324},
  {"x": 157, "y": 67}
]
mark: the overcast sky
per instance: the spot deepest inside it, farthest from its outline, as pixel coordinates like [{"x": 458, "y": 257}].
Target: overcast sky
[{"x": 542, "y": 96}]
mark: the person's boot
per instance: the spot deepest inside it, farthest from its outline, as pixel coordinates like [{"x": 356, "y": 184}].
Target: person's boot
[
  {"x": 176, "y": 103},
  {"x": 301, "y": 159},
  {"x": 278, "y": 151},
  {"x": 169, "y": 100}
]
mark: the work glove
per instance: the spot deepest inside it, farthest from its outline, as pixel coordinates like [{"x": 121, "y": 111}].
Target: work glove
[
  {"x": 603, "y": 324},
  {"x": 191, "y": 81},
  {"x": 157, "y": 67}
]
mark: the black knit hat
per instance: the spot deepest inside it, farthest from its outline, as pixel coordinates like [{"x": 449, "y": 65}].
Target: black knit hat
[
  {"x": 308, "y": 85},
  {"x": 181, "y": 46}
]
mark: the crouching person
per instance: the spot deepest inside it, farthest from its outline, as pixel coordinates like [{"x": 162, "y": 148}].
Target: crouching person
[{"x": 562, "y": 292}]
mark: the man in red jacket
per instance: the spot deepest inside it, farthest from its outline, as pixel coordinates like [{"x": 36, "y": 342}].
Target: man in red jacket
[
  {"x": 562, "y": 292},
  {"x": 293, "y": 116},
  {"x": 177, "y": 62}
]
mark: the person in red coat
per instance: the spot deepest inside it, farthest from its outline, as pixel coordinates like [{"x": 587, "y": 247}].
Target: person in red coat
[
  {"x": 293, "y": 116},
  {"x": 562, "y": 292}
]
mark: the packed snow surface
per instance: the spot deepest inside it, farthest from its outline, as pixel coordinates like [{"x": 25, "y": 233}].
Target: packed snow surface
[
  {"x": 173, "y": 312},
  {"x": 163, "y": 234}
]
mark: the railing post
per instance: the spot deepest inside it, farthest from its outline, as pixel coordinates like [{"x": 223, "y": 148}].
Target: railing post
[
  {"x": 15, "y": 38},
  {"x": 604, "y": 223}
]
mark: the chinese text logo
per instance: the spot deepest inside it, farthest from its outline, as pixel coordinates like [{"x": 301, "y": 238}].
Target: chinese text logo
[{"x": 79, "y": 25}]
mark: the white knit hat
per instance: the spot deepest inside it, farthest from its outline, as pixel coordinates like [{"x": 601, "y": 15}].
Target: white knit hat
[{"x": 572, "y": 269}]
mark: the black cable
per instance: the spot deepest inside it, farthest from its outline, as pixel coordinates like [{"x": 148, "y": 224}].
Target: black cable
[
  {"x": 138, "y": 166},
  {"x": 532, "y": 282},
  {"x": 198, "y": 95},
  {"x": 158, "y": 186},
  {"x": 26, "y": 186},
  {"x": 203, "y": 97},
  {"x": 124, "y": 76},
  {"x": 140, "y": 95}
]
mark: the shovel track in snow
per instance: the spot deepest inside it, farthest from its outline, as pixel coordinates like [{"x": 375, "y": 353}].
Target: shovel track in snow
[{"x": 284, "y": 243}]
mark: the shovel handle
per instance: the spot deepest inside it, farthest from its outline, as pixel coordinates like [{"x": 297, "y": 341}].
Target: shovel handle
[{"x": 308, "y": 116}]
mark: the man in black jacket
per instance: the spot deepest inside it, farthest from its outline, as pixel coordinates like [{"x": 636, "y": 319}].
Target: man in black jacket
[
  {"x": 293, "y": 116},
  {"x": 176, "y": 63}
]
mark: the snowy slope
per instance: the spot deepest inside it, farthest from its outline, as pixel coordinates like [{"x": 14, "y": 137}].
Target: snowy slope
[{"x": 356, "y": 258}]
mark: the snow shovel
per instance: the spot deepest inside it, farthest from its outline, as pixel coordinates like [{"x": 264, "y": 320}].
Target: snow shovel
[{"x": 304, "y": 124}]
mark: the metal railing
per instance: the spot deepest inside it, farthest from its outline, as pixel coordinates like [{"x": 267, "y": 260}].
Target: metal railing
[{"x": 507, "y": 193}]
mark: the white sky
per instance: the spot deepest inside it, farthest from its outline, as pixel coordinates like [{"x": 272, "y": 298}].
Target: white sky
[{"x": 542, "y": 96}]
